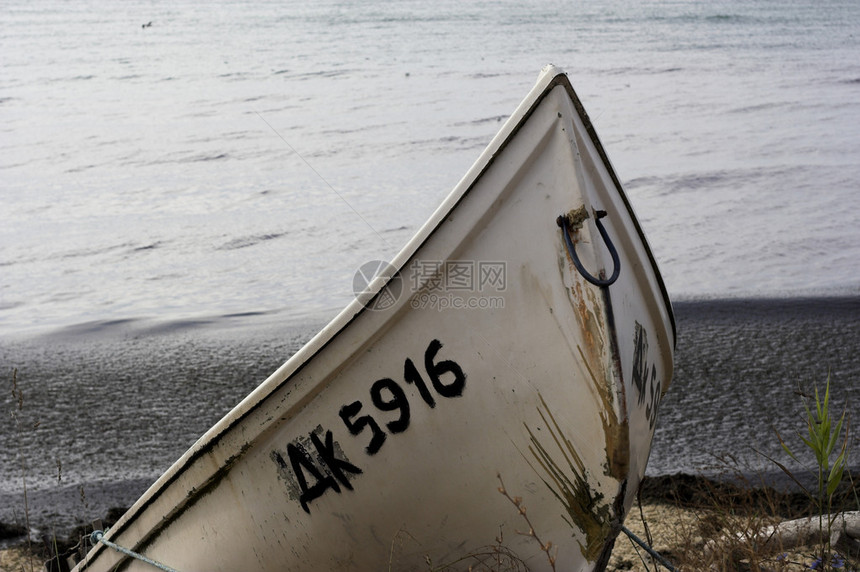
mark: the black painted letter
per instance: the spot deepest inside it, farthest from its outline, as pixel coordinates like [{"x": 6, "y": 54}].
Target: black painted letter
[
  {"x": 301, "y": 462},
  {"x": 336, "y": 466}
]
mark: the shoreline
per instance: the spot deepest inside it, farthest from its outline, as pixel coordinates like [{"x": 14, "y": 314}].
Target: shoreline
[
  {"x": 680, "y": 512},
  {"x": 265, "y": 323},
  {"x": 51, "y": 512}
]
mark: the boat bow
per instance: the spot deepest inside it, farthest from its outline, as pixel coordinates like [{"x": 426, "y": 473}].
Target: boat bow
[{"x": 484, "y": 352}]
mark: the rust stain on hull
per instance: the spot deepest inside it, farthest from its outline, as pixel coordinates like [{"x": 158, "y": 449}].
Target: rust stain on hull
[
  {"x": 558, "y": 463},
  {"x": 598, "y": 361}
]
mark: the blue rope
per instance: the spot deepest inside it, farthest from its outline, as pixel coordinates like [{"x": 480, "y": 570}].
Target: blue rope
[
  {"x": 649, "y": 550},
  {"x": 98, "y": 536}
]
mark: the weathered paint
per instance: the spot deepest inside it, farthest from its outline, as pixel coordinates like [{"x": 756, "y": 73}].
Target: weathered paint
[
  {"x": 587, "y": 509},
  {"x": 597, "y": 356}
]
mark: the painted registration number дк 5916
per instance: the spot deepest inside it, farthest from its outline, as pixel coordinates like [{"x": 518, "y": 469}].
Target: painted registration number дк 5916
[{"x": 315, "y": 463}]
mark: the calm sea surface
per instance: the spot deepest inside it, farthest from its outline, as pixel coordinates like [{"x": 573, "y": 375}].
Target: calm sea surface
[{"x": 228, "y": 167}]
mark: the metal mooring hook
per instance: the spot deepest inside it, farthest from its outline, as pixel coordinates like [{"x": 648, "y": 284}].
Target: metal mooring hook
[{"x": 564, "y": 223}]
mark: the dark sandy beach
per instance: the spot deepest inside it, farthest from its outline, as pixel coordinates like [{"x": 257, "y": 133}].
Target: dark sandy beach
[{"x": 740, "y": 367}]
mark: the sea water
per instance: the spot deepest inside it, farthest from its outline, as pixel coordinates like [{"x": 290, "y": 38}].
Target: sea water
[
  {"x": 249, "y": 156},
  {"x": 175, "y": 167}
]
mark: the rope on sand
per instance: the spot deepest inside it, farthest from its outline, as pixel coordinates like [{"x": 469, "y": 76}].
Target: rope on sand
[
  {"x": 666, "y": 564},
  {"x": 98, "y": 536}
]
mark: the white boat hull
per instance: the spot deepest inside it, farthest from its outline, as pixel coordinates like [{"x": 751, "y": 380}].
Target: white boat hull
[{"x": 380, "y": 444}]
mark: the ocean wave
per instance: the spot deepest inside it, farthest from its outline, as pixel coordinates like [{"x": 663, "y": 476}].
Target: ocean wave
[
  {"x": 321, "y": 74},
  {"x": 482, "y": 121},
  {"x": 92, "y": 251},
  {"x": 233, "y": 75},
  {"x": 361, "y": 129},
  {"x": 726, "y": 18},
  {"x": 759, "y": 107},
  {"x": 81, "y": 168},
  {"x": 196, "y": 158},
  {"x": 96, "y": 327},
  {"x": 251, "y": 240},
  {"x": 681, "y": 183},
  {"x": 146, "y": 247}
]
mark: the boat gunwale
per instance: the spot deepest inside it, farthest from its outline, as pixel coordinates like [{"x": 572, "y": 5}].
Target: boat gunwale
[{"x": 210, "y": 439}]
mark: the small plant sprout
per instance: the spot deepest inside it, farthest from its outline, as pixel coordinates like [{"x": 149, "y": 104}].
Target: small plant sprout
[{"x": 822, "y": 439}]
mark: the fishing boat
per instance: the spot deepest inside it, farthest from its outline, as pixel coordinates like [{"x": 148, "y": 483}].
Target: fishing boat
[{"x": 492, "y": 394}]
